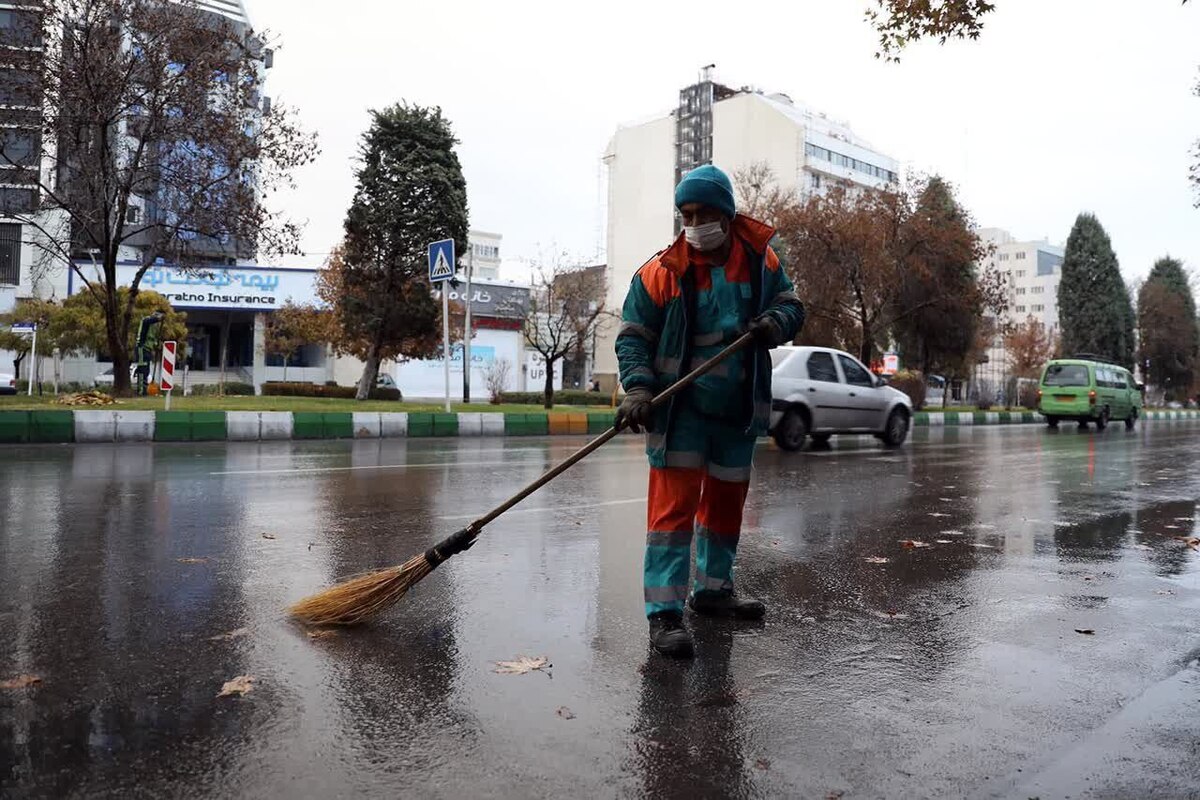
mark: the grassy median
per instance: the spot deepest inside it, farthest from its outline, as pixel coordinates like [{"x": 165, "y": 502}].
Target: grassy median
[{"x": 237, "y": 403}]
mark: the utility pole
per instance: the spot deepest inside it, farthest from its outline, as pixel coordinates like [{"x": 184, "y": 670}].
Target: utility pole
[{"x": 467, "y": 325}]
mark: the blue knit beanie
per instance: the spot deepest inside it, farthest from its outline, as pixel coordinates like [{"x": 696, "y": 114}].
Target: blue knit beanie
[{"x": 708, "y": 186}]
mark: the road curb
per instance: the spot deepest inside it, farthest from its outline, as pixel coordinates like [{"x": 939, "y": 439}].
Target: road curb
[{"x": 94, "y": 425}]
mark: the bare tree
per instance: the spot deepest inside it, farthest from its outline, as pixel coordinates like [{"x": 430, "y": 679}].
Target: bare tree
[
  {"x": 497, "y": 378},
  {"x": 566, "y": 311},
  {"x": 760, "y": 196},
  {"x": 145, "y": 132}
]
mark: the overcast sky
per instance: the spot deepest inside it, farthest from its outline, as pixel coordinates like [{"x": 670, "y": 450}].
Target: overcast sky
[{"x": 1060, "y": 107}]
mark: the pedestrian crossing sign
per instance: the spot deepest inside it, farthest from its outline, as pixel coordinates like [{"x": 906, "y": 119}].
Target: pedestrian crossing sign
[{"x": 441, "y": 261}]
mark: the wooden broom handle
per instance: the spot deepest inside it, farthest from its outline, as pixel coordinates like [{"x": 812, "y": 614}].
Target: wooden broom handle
[{"x": 595, "y": 444}]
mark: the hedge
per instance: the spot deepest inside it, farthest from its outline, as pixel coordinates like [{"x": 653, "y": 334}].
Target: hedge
[
  {"x": 298, "y": 389},
  {"x": 232, "y": 389},
  {"x": 569, "y": 397}
]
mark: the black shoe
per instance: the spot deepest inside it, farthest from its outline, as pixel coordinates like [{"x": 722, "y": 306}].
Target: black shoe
[
  {"x": 668, "y": 636},
  {"x": 726, "y": 604}
]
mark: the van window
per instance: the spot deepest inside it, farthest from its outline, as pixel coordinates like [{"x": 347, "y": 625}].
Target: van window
[
  {"x": 1066, "y": 375},
  {"x": 1102, "y": 378},
  {"x": 1122, "y": 379}
]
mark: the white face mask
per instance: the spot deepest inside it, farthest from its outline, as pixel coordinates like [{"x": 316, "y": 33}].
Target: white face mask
[{"x": 708, "y": 236}]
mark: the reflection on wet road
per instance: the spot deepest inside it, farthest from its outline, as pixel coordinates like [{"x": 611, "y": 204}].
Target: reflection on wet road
[{"x": 136, "y": 580}]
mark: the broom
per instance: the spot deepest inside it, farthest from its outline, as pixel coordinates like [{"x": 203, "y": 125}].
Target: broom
[{"x": 356, "y": 599}]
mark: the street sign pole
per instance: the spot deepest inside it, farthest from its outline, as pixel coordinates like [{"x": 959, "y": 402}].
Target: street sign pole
[
  {"x": 441, "y": 270},
  {"x": 167, "y": 371},
  {"x": 32, "y": 362},
  {"x": 467, "y": 328},
  {"x": 446, "y": 340}
]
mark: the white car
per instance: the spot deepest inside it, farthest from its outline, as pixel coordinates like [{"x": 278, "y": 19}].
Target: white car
[
  {"x": 8, "y": 384},
  {"x": 818, "y": 392},
  {"x": 106, "y": 378}
]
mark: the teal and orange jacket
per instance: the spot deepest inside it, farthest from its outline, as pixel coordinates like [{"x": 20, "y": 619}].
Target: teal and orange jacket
[{"x": 681, "y": 311}]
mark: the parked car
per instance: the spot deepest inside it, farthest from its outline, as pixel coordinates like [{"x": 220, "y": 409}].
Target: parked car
[
  {"x": 106, "y": 378},
  {"x": 818, "y": 392},
  {"x": 385, "y": 381},
  {"x": 1086, "y": 390},
  {"x": 8, "y": 383}
]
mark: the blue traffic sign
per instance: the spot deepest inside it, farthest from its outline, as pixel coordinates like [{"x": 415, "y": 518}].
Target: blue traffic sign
[
  {"x": 441, "y": 261},
  {"x": 24, "y": 327}
]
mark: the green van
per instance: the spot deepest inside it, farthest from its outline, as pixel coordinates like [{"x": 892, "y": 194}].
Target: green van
[{"x": 1085, "y": 390}]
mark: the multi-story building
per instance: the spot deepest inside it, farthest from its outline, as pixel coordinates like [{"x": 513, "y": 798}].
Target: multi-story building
[
  {"x": 733, "y": 129},
  {"x": 1032, "y": 270},
  {"x": 229, "y": 322},
  {"x": 485, "y": 252}
]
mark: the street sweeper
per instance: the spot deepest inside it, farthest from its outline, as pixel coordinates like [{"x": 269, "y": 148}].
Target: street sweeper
[{"x": 719, "y": 280}]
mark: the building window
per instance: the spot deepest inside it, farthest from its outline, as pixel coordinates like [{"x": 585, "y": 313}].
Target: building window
[
  {"x": 18, "y": 88},
  {"x": 16, "y": 200},
  {"x": 1020, "y": 273},
  {"x": 1020, "y": 290},
  {"x": 1038, "y": 289},
  {"x": 1002, "y": 257},
  {"x": 1039, "y": 308},
  {"x": 10, "y": 254},
  {"x": 18, "y": 147},
  {"x": 1020, "y": 309},
  {"x": 1021, "y": 256}
]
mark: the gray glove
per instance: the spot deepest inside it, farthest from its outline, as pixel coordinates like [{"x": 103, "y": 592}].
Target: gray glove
[
  {"x": 766, "y": 330},
  {"x": 635, "y": 411}
]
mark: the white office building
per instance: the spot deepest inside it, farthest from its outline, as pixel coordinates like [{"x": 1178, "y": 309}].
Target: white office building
[
  {"x": 1032, "y": 271},
  {"x": 484, "y": 256},
  {"x": 733, "y": 129}
]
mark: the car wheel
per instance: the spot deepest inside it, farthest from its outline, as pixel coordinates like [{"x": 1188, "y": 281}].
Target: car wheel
[
  {"x": 791, "y": 431},
  {"x": 896, "y": 430},
  {"x": 1131, "y": 420},
  {"x": 1052, "y": 422},
  {"x": 1102, "y": 420}
]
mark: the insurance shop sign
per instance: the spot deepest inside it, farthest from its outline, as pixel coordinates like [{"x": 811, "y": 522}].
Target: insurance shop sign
[{"x": 249, "y": 288}]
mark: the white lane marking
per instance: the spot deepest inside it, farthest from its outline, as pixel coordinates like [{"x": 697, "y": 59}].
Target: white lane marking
[
  {"x": 434, "y": 465},
  {"x": 555, "y": 509}
]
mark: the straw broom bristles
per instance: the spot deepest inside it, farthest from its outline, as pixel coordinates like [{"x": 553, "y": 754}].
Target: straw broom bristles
[{"x": 352, "y": 601}]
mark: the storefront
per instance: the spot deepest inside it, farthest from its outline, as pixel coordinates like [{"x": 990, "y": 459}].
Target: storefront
[
  {"x": 498, "y": 313},
  {"x": 227, "y": 310}
]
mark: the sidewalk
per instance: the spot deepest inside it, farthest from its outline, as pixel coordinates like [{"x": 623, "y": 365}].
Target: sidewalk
[{"x": 62, "y": 426}]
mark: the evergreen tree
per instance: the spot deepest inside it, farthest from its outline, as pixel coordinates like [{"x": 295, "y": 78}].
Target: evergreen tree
[
  {"x": 1094, "y": 310},
  {"x": 410, "y": 192},
  {"x": 1168, "y": 338}
]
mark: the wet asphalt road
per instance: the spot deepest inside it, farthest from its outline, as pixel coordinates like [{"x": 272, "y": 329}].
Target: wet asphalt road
[{"x": 136, "y": 580}]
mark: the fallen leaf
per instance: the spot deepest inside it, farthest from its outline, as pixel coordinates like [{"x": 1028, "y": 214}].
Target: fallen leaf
[
  {"x": 192, "y": 560},
  {"x": 762, "y": 764},
  {"x": 239, "y": 686},
  {"x": 565, "y": 712},
  {"x": 323, "y": 633},
  {"x": 943, "y": 541},
  {"x": 1085, "y": 631},
  {"x": 268, "y": 536},
  {"x": 909, "y": 544},
  {"x": 20, "y": 682},
  {"x": 1165, "y": 591},
  {"x": 988, "y": 546},
  {"x": 522, "y": 665},
  {"x": 877, "y": 560},
  {"x": 233, "y": 634},
  {"x": 835, "y": 795},
  {"x": 1191, "y": 541}
]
